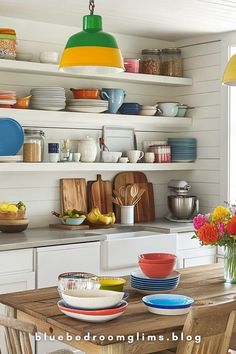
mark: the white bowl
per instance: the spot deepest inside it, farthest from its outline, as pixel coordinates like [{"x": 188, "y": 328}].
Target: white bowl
[
  {"x": 92, "y": 299},
  {"x": 169, "y": 109},
  {"x": 168, "y": 312},
  {"x": 24, "y": 56},
  {"x": 147, "y": 112},
  {"x": 49, "y": 57},
  {"x": 111, "y": 156}
]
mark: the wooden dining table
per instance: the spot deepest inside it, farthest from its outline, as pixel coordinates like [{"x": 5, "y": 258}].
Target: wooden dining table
[{"x": 203, "y": 283}]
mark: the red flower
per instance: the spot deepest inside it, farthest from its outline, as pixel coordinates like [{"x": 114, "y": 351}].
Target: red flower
[
  {"x": 208, "y": 233},
  {"x": 231, "y": 227}
]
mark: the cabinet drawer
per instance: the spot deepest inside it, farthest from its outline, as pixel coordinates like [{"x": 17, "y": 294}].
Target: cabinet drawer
[
  {"x": 51, "y": 261},
  {"x": 196, "y": 261},
  {"x": 17, "y": 282},
  {"x": 16, "y": 261}
]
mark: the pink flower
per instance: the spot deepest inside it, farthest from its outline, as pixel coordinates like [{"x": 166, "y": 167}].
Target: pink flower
[
  {"x": 199, "y": 221},
  {"x": 221, "y": 228}
]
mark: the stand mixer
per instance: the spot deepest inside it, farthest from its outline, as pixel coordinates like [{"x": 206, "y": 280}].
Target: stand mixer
[{"x": 182, "y": 207}]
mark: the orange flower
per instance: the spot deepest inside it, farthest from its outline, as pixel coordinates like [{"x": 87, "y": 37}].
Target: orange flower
[{"x": 208, "y": 233}]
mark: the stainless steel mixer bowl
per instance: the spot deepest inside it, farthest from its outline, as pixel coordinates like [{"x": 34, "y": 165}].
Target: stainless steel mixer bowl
[{"x": 182, "y": 206}]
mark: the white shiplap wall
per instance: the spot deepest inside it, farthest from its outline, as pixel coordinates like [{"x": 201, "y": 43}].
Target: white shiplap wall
[
  {"x": 40, "y": 191},
  {"x": 202, "y": 63}
]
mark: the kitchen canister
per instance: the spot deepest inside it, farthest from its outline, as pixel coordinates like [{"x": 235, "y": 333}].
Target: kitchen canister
[
  {"x": 88, "y": 149},
  {"x": 151, "y": 62},
  {"x": 33, "y": 148},
  {"x": 127, "y": 214},
  {"x": 172, "y": 64},
  {"x": 7, "y": 43}
]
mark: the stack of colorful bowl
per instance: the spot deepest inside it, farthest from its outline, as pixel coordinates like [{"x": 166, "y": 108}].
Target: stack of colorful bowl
[
  {"x": 168, "y": 304},
  {"x": 7, "y": 98},
  {"x": 82, "y": 299},
  {"x": 157, "y": 273}
]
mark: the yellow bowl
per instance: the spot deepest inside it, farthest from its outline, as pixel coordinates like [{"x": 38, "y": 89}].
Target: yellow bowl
[{"x": 111, "y": 283}]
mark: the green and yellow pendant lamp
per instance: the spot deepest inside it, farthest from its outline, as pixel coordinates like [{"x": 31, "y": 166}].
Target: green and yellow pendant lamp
[{"x": 92, "y": 51}]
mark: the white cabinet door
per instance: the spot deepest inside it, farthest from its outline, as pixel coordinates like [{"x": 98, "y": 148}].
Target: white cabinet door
[
  {"x": 51, "y": 261},
  {"x": 11, "y": 283}
]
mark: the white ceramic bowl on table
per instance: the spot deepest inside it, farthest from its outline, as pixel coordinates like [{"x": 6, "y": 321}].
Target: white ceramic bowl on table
[
  {"x": 111, "y": 156},
  {"x": 92, "y": 299}
]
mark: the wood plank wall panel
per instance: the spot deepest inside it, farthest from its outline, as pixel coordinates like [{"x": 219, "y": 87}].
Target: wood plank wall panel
[{"x": 202, "y": 63}]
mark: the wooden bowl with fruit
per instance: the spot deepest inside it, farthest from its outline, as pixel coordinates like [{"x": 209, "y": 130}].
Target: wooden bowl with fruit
[{"x": 9, "y": 211}]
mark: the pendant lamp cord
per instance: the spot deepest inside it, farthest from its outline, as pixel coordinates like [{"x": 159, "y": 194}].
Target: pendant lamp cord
[{"x": 91, "y": 6}]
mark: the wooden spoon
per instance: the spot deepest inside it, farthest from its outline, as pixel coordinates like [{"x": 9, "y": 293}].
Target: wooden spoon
[
  {"x": 139, "y": 195},
  {"x": 134, "y": 192},
  {"x": 118, "y": 197}
]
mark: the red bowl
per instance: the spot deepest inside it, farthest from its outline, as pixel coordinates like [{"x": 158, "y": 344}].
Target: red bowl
[
  {"x": 158, "y": 270},
  {"x": 154, "y": 258}
]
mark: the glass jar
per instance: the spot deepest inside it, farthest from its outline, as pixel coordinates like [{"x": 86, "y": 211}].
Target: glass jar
[
  {"x": 7, "y": 43},
  {"x": 172, "y": 64},
  {"x": 151, "y": 62},
  {"x": 33, "y": 148},
  {"x": 230, "y": 264}
]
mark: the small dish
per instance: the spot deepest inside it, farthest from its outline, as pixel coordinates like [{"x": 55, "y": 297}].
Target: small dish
[
  {"x": 91, "y": 299},
  {"x": 168, "y": 312},
  {"x": 111, "y": 283}
]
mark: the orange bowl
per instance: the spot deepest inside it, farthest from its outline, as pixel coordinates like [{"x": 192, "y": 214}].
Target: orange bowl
[
  {"x": 153, "y": 258},
  {"x": 92, "y": 94},
  {"x": 22, "y": 103},
  {"x": 158, "y": 270}
]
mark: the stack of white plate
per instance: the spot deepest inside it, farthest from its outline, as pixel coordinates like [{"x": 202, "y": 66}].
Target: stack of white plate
[
  {"x": 48, "y": 98},
  {"x": 86, "y": 105}
]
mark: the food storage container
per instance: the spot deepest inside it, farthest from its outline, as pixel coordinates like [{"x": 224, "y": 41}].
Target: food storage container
[
  {"x": 88, "y": 149},
  {"x": 33, "y": 148},
  {"x": 131, "y": 65},
  {"x": 7, "y": 43},
  {"x": 171, "y": 62},
  {"x": 162, "y": 153},
  {"x": 151, "y": 62}
]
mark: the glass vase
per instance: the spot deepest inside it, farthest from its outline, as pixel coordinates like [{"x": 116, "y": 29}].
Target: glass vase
[{"x": 230, "y": 264}]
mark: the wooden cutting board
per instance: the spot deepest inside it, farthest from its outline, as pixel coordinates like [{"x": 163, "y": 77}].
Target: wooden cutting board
[
  {"x": 145, "y": 209},
  {"x": 100, "y": 195},
  {"x": 68, "y": 227},
  {"x": 73, "y": 194}
]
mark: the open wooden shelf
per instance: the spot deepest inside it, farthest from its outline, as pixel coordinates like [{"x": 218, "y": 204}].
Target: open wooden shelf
[
  {"x": 63, "y": 119},
  {"x": 96, "y": 166},
  {"x": 52, "y": 69}
]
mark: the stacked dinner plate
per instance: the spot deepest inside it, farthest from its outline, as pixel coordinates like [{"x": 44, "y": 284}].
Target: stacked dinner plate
[
  {"x": 183, "y": 149},
  {"x": 145, "y": 285},
  {"x": 48, "y": 98},
  {"x": 86, "y": 105},
  {"x": 7, "y": 98}
]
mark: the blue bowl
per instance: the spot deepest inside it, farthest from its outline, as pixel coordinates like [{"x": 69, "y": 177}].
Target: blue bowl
[
  {"x": 72, "y": 221},
  {"x": 168, "y": 301},
  {"x": 130, "y": 108}
]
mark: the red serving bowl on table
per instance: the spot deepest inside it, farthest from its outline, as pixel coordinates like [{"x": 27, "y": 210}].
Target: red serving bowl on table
[
  {"x": 157, "y": 270},
  {"x": 154, "y": 258}
]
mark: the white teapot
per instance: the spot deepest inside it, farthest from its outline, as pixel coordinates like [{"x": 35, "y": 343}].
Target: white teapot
[{"x": 88, "y": 149}]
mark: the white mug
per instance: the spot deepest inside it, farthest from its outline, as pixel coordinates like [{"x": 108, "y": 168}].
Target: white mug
[
  {"x": 135, "y": 155},
  {"x": 149, "y": 157},
  {"x": 76, "y": 156},
  {"x": 123, "y": 160}
]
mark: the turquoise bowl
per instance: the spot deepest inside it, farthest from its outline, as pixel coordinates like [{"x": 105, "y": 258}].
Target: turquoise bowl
[{"x": 72, "y": 221}]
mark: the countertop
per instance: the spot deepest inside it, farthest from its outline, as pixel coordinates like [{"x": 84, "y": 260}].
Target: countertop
[{"x": 42, "y": 237}]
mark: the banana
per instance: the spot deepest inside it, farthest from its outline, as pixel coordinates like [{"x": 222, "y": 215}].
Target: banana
[{"x": 95, "y": 217}]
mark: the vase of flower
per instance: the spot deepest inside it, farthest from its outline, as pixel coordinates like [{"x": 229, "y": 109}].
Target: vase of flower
[
  {"x": 219, "y": 229},
  {"x": 230, "y": 264}
]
